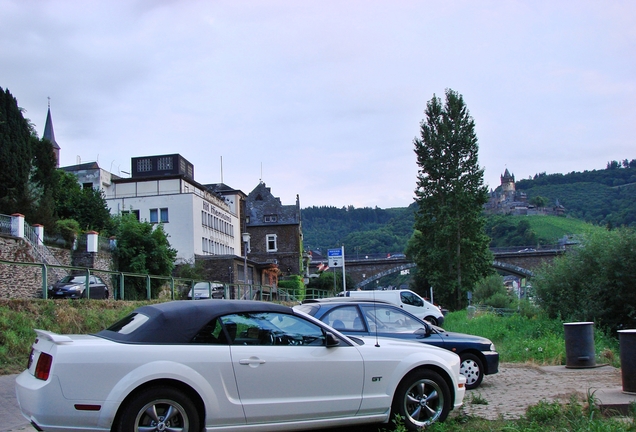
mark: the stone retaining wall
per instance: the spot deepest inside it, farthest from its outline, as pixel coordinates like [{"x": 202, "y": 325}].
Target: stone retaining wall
[{"x": 24, "y": 281}]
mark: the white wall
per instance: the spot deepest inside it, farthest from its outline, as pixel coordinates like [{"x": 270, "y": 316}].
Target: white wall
[{"x": 185, "y": 226}]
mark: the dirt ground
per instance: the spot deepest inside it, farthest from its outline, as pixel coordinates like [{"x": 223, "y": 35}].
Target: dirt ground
[{"x": 517, "y": 386}]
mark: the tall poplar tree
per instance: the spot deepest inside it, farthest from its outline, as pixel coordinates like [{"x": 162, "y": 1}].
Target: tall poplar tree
[
  {"x": 16, "y": 135},
  {"x": 449, "y": 245}
]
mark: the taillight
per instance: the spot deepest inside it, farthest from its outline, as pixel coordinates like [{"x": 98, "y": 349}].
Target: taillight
[{"x": 43, "y": 367}]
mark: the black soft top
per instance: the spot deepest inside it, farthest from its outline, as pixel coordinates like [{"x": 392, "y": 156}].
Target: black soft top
[{"x": 177, "y": 322}]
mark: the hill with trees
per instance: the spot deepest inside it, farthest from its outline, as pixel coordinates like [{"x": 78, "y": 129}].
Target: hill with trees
[
  {"x": 604, "y": 197},
  {"x": 366, "y": 230}
]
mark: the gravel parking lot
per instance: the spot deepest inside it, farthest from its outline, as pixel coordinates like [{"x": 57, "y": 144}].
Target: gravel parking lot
[{"x": 517, "y": 386}]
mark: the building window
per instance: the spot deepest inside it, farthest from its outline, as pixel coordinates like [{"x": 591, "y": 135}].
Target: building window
[
  {"x": 134, "y": 212},
  {"x": 144, "y": 165},
  {"x": 159, "y": 215},
  {"x": 270, "y": 218},
  {"x": 164, "y": 163},
  {"x": 87, "y": 185},
  {"x": 271, "y": 243}
]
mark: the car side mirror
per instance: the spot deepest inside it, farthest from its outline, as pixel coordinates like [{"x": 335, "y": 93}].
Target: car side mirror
[
  {"x": 332, "y": 340},
  {"x": 424, "y": 331}
]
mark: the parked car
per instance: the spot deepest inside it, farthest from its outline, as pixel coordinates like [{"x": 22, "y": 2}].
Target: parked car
[
  {"x": 74, "y": 287},
  {"x": 235, "y": 365},
  {"x": 406, "y": 299},
  {"x": 360, "y": 317},
  {"x": 202, "y": 290}
]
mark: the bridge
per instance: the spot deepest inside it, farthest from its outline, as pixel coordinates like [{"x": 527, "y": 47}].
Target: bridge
[{"x": 517, "y": 261}]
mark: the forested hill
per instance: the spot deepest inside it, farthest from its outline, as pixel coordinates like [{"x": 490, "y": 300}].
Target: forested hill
[
  {"x": 603, "y": 197},
  {"x": 365, "y": 230}
]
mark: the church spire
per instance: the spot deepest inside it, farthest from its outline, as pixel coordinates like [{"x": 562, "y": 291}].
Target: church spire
[{"x": 50, "y": 135}]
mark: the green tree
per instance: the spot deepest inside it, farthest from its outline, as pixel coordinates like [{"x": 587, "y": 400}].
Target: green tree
[
  {"x": 27, "y": 166},
  {"x": 326, "y": 282},
  {"x": 85, "y": 205},
  {"x": 449, "y": 245},
  {"x": 539, "y": 201},
  {"x": 16, "y": 153},
  {"x": 492, "y": 292},
  {"x": 594, "y": 282},
  {"x": 142, "y": 248}
]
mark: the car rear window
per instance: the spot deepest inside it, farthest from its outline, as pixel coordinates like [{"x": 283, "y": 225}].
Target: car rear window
[{"x": 129, "y": 324}]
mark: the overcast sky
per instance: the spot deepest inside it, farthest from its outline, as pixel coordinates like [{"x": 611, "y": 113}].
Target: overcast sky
[{"x": 324, "y": 98}]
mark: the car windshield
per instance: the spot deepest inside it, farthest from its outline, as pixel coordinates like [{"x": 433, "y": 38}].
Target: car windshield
[{"x": 73, "y": 279}]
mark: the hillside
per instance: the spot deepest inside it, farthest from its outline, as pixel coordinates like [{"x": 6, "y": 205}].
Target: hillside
[
  {"x": 366, "y": 230},
  {"x": 603, "y": 197},
  {"x": 388, "y": 231},
  {"x": 600, "y": 197},
  {"x": 532, "y": 231}
]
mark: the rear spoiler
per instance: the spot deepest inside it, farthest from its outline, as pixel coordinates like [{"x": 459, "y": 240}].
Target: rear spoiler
[{"x": 53, "y": 337}]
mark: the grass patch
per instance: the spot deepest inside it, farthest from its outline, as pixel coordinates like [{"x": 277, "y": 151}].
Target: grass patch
[
  {"x": 18, "y": 318},
  {"x": 521, "y": 339}
]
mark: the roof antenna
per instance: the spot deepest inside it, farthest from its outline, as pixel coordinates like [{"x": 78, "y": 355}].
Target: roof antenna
[
  {"x": 221, "y": 169},
  {"x": 377, "y": 323}
]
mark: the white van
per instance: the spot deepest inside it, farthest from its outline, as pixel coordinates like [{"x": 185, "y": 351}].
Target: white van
[{"x": 406, "y": 299}]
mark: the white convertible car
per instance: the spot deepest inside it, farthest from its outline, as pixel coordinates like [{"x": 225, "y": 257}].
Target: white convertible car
[{"x": 231, "y": 365}]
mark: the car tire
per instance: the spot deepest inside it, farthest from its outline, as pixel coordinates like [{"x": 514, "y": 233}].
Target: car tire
[
  {"x": 422, "y": 398},
  {"x": 473, "y": 369},
  {"x": 432, "y": 320},
  {"x": 146, "y": 411}
]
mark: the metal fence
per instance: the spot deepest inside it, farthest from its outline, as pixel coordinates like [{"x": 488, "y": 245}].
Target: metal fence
[
  {"x": 5, "y": 224},
  {"x": 136, "y": 286}
]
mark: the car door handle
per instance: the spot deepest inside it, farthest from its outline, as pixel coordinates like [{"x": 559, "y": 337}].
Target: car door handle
[{"x": 252, "y": 361}]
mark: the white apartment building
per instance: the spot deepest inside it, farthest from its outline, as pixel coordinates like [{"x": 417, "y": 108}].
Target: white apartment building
[{"x": 162, "y": 190}]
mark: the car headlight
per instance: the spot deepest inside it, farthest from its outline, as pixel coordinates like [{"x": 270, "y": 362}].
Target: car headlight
[{"x": 492, "y": 347}]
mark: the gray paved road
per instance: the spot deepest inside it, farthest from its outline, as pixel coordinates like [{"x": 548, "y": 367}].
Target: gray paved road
[{"x": 10, "y": 417}]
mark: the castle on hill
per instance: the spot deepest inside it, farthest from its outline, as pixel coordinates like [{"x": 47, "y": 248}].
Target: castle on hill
[{"x": 505, "y": 199}]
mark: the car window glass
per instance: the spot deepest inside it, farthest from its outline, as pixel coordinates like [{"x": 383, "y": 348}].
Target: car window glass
[
  {"x": 344, "y": 318},
  {"x": 271, "y": 328},
  {"x": 389, "y": 319},
  {"x": 77, "y": 279},
  {"x": 129, "y": 324},
  {"x": 411, "y": 299},
  {"x": 212, "y": 333}
]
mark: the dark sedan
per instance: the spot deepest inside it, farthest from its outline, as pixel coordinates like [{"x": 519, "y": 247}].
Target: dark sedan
[
  {"x": 74, "y": 287},
  {"x": 369, "y": 318}
]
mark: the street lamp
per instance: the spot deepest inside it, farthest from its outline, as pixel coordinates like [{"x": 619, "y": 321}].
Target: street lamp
[{"x": 246, "y": 243}]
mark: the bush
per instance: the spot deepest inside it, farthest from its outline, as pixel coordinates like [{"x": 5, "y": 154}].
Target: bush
[
  {"x": 594, "y": 282},
  {"x": 69, "y": 229},
  {"x": 294, "y": 285},
  {"x": 491, "y": 291}
]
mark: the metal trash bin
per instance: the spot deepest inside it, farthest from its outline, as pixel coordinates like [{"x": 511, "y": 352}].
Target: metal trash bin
[
  {"x": 627, "y": 342},
  {"x": 579, "y": 345}
]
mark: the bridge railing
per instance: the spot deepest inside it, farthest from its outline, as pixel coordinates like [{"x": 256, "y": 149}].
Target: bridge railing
[{"x": 527, "y": 249}]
